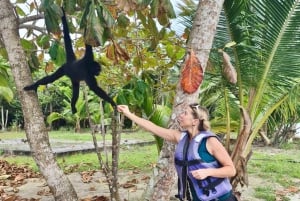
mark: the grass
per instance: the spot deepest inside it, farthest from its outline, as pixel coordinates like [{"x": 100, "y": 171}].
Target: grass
[
  {"x": 141, "y": 157},
  {"x": 84, "y": 136},
  {"x": 131, "y": 157},
  {"x": 277, "y": 167},
  {"x": 265, "y": 193}
]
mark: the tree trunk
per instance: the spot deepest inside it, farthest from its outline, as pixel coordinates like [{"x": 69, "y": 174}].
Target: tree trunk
[
  {"x": 35, "y": 127},
  {"x": 201, "y": 40}
]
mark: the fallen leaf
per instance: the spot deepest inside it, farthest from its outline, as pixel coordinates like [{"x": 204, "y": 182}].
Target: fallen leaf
[{"x": 3, "y": 177}]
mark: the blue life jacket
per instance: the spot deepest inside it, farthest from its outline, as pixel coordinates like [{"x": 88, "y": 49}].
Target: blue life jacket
[{"x": 187, "y": 158}]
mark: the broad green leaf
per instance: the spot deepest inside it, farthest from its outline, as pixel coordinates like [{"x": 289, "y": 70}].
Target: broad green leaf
[
  {"x": 152, "y": 27},
  {"x": 3, "y": 80},
  {"x": 82, "y": 3},
  {"x": 54, "y": 116},
  {"x": 34, "y": 61},
  {"x": 45, "y": 4},
  {"x": 180, "y": 52},
  {"x": 52, "y": 22},
  {"x": 20, "y": 11},
  {"x": 6, "y": 93},
  {"x": 142, "y": 17},
  {"x": 69, "y": 6},
  {"x": 28, "y": 45},
  {"x": 57, "y": 53},
  {"x": 43, "y": 41},
  {"x": 61, "y": 56},
  {"x": 170, "y": 50},
  {"x": 143, "y": 3},
  {"x": 56, "y": 11},
  {"x": 105, "y": 14},
  {"x": 123, "y": 21},
  {"x": 121, "y": 99},
  {"x": 169, "y": 8},
  {"x": 54, "y": 50},
  {"x": 154, "y": 8}
]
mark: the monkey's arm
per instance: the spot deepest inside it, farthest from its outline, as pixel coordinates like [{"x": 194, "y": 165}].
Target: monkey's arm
[
  {"x": 46, "y": 80},
  {"x": 68, "y": 43},
  {"x": 92, "y": 83}
]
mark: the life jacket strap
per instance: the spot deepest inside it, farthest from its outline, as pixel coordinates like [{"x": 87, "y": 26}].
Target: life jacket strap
[
  {"x": 185, "y": 163},
  {"x": 211, "y": 185}
]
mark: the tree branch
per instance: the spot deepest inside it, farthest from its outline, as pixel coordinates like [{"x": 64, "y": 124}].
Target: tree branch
[
  {"x": 31, "y": 18},
  {"x": 28, "y": 26}
]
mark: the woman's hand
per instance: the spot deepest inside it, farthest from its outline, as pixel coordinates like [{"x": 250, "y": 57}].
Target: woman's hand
[
  {"x": 200, "y": 173},
  {"x": 123, "y": 109}
]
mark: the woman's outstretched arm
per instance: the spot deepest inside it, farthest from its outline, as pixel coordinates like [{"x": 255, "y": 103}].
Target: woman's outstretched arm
[{"x": 167, "y": 134}]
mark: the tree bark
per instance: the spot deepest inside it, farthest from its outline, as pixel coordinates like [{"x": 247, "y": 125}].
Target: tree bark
[
  {"x": 35, "y": 127},
  {"x": 201, "y": 40}
]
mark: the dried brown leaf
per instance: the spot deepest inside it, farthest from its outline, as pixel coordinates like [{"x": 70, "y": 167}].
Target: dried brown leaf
[
  {"x": 228, "y": 69},
  {"x": 192, "y": 74},
  {"x": 126, "y": 5}
]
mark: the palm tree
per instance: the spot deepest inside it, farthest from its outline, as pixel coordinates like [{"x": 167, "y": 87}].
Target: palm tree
[{"x": 265, "y": 58}]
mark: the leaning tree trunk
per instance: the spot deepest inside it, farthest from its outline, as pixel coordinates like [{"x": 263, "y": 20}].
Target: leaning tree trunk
[
  {"x": 201, "y": 40},
  {"x": 35, "y": 127}
]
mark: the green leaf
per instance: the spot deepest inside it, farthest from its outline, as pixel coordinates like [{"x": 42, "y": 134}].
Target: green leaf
[
  {"x": 61, "y": 56},
  {"x": 142, "y": 17},
  {"x": 152, "y": 27},
  {"x": 70, "y": 6},
  {"x": 6, "y": 93},
  {"x": 154, "y": 8},
  {"x": 43, "y": 41},
  {"x": 52, "y": 22},
  {"x": 20, "y": 11},
  {"x": 121, "y": 99},
  {"x": 123, "y": 21},
  {"x": 3, "y": 80},
  {"x": 169, "y": 8},
  {"x": 27, "y": 45},
  {"x": 57, "y": 53},
  {"x": 169, "y": 49},
  {"x": 105, "y": 15},
  {"x": 54, "y": 116},
  {"x": 34, "y": 61},
  {"x": 143, "y": 3},
  {"x": 180, "y": 52},
  {"x": 230, "y": 44},
  {"x": 54, "y": 50}
]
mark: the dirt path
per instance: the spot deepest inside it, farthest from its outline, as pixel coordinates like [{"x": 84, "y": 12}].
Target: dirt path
[
  {"x": 89, "y": 185},
  {"x": 132, "y": 185}
]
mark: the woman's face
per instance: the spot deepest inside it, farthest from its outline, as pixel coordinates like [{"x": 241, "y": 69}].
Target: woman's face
[{"x": 186, "y": 118}]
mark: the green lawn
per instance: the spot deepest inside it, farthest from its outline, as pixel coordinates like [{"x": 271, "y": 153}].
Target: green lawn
[
  {"x": 84, "y": 136},
  {"x": 275, "y": 167}
]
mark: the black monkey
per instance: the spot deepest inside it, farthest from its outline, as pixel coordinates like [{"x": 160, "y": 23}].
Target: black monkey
[{"x": 84, "y": 69}]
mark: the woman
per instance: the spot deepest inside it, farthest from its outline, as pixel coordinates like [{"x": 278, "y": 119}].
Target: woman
[{"x": 202, "y": 163}]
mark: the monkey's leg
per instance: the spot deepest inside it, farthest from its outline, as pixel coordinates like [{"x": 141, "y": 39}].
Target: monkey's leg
[
  {"x": 45, "y": 80},
  {"x": 75, "y": 95},
  {"x": 92, "y": 83}
]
